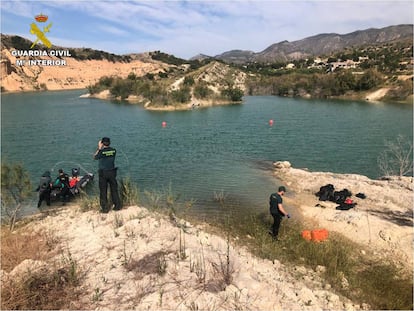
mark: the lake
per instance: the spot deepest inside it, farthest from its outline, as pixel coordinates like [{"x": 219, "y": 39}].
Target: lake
[{"x": 224, "y": 149}]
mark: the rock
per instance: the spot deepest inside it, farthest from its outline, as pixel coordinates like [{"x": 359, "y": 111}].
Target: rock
[
  {"x": 307, "y": 296},
  {"x": 349, "y": 306},
  {"x": 276, "y": 264},
  {"x": 327, "y": 286},
  {"x": 282, "y": 165},
  {"x": 320, "y": 269},
  {"x": 332, "y": 298},
  {"x": 301, "y": 270},
  {"x": 385, "y": 235},
  {"x": 27, "y": 266},
  {"x": 5, "y": 67},
  {"x": 344, "y": 281}
]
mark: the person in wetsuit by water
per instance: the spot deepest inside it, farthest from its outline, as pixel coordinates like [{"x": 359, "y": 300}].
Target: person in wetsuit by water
[{"x": 277, "y": 211}]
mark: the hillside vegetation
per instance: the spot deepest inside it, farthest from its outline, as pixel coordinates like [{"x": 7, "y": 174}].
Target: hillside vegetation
[
  {"x": 352, "y": 72},
  {"x": 379, "y": 68},
  {"x": 182, "y": 85}
]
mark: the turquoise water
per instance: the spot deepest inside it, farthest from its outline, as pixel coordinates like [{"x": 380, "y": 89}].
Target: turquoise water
[{"x": 226, "y": 149}]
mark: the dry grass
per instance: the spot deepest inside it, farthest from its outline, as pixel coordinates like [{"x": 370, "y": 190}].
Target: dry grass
[
  {"x": 18, "y": 246},
  {"x": 379, "y": 283},
  {"x": 51, "y": 287},
  {"x": 46, "y": 289}
]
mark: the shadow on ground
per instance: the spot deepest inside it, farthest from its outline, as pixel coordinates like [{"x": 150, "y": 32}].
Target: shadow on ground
[{"x": 399, "y": 218}]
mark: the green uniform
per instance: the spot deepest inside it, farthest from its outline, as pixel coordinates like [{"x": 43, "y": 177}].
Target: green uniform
[
  {"x": 107, "y": 176},
  {"x": 106, "y": 157}
]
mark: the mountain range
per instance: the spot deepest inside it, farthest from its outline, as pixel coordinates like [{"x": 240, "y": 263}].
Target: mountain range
[{"x": 319, "y": 45}]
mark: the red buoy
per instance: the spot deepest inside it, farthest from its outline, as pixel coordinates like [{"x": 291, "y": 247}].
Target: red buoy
[
  {"x": 270, "y": 122},
  {"x": 164, "y": 124}
]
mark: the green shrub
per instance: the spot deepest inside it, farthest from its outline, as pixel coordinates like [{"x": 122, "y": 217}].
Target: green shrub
[
  {"x": 234, "y": 94},
  {"x": 129, "y": 192},
  {"x": 89, "y": 203},
  {"x": 182, "y": 95},
  {"x": 188, "y": 81},
  {"x": 54, "y": 289},
  {"x": 202, "y": 91},
  {"x": 370, "y": 79},
  {"x": 15, "y": 189},
  {"x": 122, "y": 88},
  {"x": 106, "y": 81}
]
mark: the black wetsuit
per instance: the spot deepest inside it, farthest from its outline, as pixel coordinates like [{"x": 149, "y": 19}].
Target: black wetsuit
[
  {"x": 44, "y": 190},
  {"x": 274, "y": 201}
]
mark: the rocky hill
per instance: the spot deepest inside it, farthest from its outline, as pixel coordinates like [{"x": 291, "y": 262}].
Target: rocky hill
[
  {"x": 78, "y": 69},
  {"x": 182, "y": 87},
  {"x": 321, "y": 44}
]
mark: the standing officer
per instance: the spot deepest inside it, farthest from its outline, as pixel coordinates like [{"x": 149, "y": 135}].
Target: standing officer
[{"x": 107, "y": 174}]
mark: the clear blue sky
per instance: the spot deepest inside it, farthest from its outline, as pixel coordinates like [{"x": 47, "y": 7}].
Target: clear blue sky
[{"x": 187, "y": 28}]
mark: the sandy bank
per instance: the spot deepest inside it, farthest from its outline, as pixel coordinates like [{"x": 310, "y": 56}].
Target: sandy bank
[
  {"x": 383, "y": 221},
  {"x": 378, "y": 94},
  {"x": 122, "y": 253},
  {"x": 76, "y": 74}
]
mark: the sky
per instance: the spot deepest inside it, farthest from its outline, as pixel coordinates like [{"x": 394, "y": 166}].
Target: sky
[{"x": 188, "y": 28}]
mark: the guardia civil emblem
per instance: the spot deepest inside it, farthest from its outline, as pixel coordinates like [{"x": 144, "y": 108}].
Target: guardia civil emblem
[{"x": 41, "y": 35}]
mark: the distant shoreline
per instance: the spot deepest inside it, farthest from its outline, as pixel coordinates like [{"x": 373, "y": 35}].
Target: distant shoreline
[
  {"x": 207, "y": 104},
  {"x": 136, "y": 100}
]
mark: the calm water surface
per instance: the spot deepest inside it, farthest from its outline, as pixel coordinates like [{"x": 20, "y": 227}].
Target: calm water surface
[{"x": 222, "y": 149}]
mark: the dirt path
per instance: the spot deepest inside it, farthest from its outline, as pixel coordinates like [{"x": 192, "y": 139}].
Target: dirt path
[{"x": 378, "y": 94}]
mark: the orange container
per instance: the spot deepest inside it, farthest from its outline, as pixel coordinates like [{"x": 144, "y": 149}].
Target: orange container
[
  {"x": 306, "y": 234},
  {"x": 319, "y": 235}
]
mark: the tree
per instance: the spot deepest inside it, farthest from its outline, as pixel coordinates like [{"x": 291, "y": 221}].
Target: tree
[
  {"x": 182, "y": 95},
  {"x": 106, "y": 81},
  {"x": 15, "y": 189},
  {"x": 122, "y": 88},
  {"x": 234, "y": 94},
  {"x": 369, "y": 80},
  {"x": 188, "y": 81},
  {"x": 132, "y": 76},
  {"x": 202, "y": 91},
  {"x": 397, "y": 157}
]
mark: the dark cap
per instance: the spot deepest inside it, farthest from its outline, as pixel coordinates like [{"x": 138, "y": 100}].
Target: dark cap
[
  {"x": 282, "y": 188},
  {"x": 106, "y": 141}
]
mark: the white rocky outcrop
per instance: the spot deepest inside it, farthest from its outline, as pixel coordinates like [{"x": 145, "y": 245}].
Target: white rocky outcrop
[
  {"x": 122, "y": 255},
  {"x": 382, "y": 221}
]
